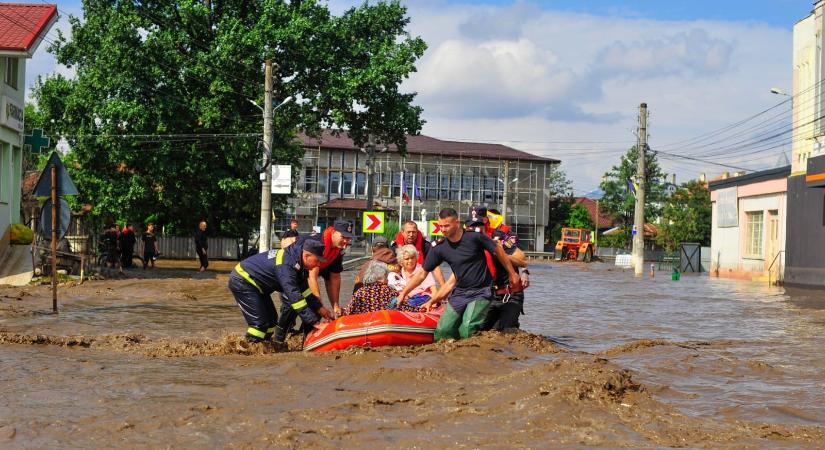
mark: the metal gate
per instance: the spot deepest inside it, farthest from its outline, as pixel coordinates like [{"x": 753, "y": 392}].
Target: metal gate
[{"x": 690, "y": 257}]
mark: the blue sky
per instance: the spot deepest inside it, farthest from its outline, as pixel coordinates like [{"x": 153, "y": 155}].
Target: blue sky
[
  {"x": 564, "y": 78},
  {"x": 780, "y": 13}
]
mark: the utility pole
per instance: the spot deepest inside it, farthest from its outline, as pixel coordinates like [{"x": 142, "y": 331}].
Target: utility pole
[
  {"x": 266, "y": 186},
  {"x": 370, "y": 157},
  {"x": 639, "y": 212},
  {"x": 506, "y": 179}
]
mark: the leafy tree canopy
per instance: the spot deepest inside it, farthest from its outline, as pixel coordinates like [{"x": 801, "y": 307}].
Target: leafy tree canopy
[
  {"x": 159, "y": 118},
  {"x": 686, "y": 217},
  {"x": 620, "y": 202},
  {"x": 580, "y": 217}
]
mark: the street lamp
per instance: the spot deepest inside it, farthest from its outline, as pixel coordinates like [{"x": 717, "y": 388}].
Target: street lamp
[
  {"x": 778, "y": 91},
  {"x": 286, "y": 100}
]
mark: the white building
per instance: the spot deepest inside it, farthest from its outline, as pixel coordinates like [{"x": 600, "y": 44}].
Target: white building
[{"x": 22, "y": 28}]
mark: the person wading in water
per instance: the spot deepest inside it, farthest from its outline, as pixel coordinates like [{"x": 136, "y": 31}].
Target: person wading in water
[{"x": 464, "y": 252}]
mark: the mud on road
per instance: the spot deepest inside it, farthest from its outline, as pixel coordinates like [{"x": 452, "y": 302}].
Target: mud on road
[{"x": 152, "y": 361}]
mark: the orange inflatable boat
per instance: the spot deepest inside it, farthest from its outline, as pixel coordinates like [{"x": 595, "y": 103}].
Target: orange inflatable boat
[{"x": 374, "y": 329}]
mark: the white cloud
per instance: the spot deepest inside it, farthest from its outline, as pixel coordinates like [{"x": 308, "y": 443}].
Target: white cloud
[
  {"x": 692, "y": 53},
  {"x": 521, "y": 73},
  {"x": 556, "y": 76}
]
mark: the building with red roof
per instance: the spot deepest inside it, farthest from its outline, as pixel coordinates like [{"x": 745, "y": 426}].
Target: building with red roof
[
  {"x": 433, "y": 174},
  {"x": 22, "y": 29}
]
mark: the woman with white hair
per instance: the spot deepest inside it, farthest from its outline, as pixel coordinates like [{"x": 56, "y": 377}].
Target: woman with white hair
[
  {"x": 408, "y": 260},
  {"x": 375, "y": 294}
]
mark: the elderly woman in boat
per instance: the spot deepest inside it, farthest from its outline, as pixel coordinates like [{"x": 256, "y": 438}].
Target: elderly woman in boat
[
  {"x": 375, "y": 294},
  {"x": 407, "y": 256}
]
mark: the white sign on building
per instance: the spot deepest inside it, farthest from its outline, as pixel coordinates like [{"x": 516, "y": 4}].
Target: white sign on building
[
  {"x": 11, "y": 113},
  {"x": 281, "y": 179},
  {"x": 727, "y": 201}
]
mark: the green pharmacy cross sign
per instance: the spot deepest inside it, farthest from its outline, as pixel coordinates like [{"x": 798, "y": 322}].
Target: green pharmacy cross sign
[{"x": 37, "y": 141}]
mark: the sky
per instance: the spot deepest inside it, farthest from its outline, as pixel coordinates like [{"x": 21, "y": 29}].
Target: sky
[{"x": 564, "y": 79}]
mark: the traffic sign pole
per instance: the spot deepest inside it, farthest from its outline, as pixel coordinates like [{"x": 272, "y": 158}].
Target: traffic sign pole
[{"x": 54, "y": 239}]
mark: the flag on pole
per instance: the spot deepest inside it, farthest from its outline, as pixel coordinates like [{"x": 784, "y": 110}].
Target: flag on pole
[
  {"x": 404, "y": 194},
  {"x": 631, "y": 186},
  {"x": 416, "y": 191}
]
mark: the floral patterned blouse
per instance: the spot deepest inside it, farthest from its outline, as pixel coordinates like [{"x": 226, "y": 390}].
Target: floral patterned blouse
[{"x": 374, "y": 297}]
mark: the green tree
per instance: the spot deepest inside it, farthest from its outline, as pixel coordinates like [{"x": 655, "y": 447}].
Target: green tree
[
  {"x": 159, "y": 118},
  {"x": 580, "y": 217},
  {"x": 559, "y": 188},
  {"x": 620, "y": 202},
  {"x": 686, "y": 216}
]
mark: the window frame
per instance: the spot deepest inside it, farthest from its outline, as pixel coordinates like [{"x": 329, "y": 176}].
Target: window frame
[{"x": 755, "y": 234}]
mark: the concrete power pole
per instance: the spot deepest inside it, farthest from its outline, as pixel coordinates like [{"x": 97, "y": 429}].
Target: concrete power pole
[
  {"x": 370, "y": 157},
  {"x": 504, "y": 198},
  {"x": 266, "y": 186},
  {"x": 639, "y": 212}
]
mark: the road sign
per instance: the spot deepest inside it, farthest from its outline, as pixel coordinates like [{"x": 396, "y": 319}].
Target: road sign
[
  {"x": 281, "y": 179},
  {"x": 65, "y": 186},
  {"x": 435, "y": 228},
  {"x": 37, "y": 141},
  {"x": 63, "y": 218},
  {"x": 373, "y": 222}
]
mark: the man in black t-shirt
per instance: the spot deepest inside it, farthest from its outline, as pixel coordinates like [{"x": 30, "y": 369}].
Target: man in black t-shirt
[{"x": 470, "y": 299}]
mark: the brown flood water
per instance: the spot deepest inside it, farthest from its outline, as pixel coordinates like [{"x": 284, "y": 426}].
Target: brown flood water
[{"x": 609, "y": 361}]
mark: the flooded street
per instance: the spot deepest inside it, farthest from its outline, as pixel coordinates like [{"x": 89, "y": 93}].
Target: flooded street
[{"x": 152, "y": 362}]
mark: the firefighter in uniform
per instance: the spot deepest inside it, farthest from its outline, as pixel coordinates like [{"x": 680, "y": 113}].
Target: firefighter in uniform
[
  {"x": 284, "y": 270},
  {"x": 334, "y": 240}
]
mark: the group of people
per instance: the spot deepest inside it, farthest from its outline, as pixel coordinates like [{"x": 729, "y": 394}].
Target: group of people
[
  {"x": 119, "y": 245},
  {"x": 484, "y": 291}
]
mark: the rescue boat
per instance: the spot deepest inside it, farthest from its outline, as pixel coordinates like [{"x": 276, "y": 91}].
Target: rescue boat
[{"x": 373, "y": 329}]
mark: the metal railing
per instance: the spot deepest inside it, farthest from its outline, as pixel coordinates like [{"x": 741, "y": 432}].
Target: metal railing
[{"x": 779, "y": 271}]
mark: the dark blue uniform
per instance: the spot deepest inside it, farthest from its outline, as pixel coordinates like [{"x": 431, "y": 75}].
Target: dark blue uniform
[
  {"x": 288, "y": 315},
  {"x": 255, "y": 278}
]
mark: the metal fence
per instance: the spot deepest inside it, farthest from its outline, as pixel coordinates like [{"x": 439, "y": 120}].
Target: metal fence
[{"x": 183, "y": 247}]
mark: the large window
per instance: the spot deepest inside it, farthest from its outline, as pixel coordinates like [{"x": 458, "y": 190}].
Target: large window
[
  {"x": 310, "y": 179},
  {"x": 335, "y": 182},
  {"x": 347, "y": 183},
  {"x": 755, "y": 235},
  {"x": 432, "y": 186},
  {"x": 360, "y": 183},
  {"x": 12, "y": 69}
]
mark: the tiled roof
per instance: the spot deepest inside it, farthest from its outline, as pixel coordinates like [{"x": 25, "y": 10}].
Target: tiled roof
[
  {"x": 426, "y": 145},
  {"x": 22, "y": 23},
  {"x": 605, "y": 220}
]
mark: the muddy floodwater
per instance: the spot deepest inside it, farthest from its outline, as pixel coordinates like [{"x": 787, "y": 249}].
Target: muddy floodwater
[{"x": 606, "y": 361}]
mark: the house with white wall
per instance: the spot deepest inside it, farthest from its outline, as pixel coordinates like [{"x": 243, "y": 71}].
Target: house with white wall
[
  {"x": 748, "y": 225},
  {"x": 22, "y": 29}
]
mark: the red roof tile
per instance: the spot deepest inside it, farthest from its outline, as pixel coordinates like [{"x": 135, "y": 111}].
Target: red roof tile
[
  {"x": 21, "y": 24},
  {"x": 605, "y": 220},
  {"x": 426, "y": 145}
]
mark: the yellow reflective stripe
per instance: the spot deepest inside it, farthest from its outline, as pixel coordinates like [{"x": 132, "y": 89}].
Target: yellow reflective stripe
[
  {"x": 270, "y": 330},
  {"x": 299, "y": 304},
  {"x": 246, "y": 277},
  {"x": 255, "y": 332},
  {"x": 307, "y": 293},
  {"x": 279, "y": 257}
]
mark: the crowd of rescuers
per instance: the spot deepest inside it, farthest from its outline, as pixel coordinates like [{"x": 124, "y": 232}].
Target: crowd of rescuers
[{"x": 488, "y": 292}]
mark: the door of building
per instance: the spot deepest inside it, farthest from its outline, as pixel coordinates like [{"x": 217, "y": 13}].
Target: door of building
[{"x": 773, "y": 242}]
